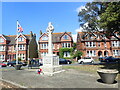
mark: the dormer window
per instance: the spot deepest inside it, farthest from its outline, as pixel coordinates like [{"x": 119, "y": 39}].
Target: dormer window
[
  {"x": 1, "y": 40},
  {"x": 20, "y": 39},
  {"x": 65, "y": 37},
  {"x": 44, "y": 38}
]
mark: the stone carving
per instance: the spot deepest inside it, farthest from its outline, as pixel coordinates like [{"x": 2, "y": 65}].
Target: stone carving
[{"x": 50, "y": 28}]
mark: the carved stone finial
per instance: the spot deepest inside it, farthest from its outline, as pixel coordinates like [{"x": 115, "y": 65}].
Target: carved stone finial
[{"x": 50, "y": 27}]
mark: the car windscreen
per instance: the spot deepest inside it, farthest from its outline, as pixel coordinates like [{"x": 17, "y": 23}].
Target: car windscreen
[{"x": 87, "y": 57}]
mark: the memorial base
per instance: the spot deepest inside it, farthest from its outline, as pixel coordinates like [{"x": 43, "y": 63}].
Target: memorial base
[{"x": 51, "y": 70}]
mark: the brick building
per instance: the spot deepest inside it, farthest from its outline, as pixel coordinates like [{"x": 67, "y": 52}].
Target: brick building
[
  {"x": 60, "y": 40},
  {"x": 97, "y": 45},
  {"x": 8, "y": 46}
]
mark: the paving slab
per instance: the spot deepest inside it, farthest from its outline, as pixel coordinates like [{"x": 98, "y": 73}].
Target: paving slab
[{"x": 68, "y": 79}]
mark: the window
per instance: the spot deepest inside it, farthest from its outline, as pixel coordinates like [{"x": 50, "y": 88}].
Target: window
[
  {"x": 91, "y": 53},
  {"x": 9, "y": 48},
  {"x": 21, "y": 56},
  {"x": 90, "y": 44},
  {"x": 1, "y": 40},
  {"x": 44, "y": 53},
  {"x": 44, "y": 38},
  {"x": 116, "y": 52},
  {"x": 66, "y": 45},
  {"x": 21, "y": 47},
  {"x": 2, "y": 48},
  {"x": 66, "y": 54},
  {"x": 2, "y": 57},
  {"x": 116, "y": 43},
  {"x": 65, "y": 37},
  {"x": 20, "y": 39},
  {"x": 44, "y": 46},
  {"x": 98, "y": 44}
]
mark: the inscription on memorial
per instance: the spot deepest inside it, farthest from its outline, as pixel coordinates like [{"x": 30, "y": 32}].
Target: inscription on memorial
[{"x": 47, "y": 60}]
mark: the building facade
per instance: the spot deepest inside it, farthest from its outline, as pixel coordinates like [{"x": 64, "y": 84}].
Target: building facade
[
  {"x": 8, "y": 46},
  {"x": 97, "y": 45},
  {"x": 60, "y": 40}
]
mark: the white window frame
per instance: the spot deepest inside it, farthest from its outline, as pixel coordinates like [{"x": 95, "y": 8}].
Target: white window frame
[
  {"x": 20, "y": 39},
  {"x": 116, "y": 52},
  {"x": 2, "y": 57},
  {"x": 2, "y": 48}
]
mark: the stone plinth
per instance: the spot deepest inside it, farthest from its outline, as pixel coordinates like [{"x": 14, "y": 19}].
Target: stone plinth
[{"x": 51, "y": 65}]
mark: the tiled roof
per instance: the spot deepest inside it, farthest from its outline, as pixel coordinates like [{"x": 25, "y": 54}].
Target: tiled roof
[
  {"x": 87, "y": 36},
  {"x": 11, "y": 38},
  {"x": 56, "y": 36}
]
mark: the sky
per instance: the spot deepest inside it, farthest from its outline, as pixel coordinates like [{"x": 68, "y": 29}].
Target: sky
[{"x": 35, "y": 16}]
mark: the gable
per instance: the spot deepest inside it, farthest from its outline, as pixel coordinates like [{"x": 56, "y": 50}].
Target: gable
[
  {"x": 20, "y": 35},
  {"x": 66, "y": 37},
  {"x": 43, "y": 37},
  {"x": 2, "y": 39}
]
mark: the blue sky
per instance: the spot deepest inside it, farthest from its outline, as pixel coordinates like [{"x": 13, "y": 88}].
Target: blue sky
[{"x": 34, "y": 16}]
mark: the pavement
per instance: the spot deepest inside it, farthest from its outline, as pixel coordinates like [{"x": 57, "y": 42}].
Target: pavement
[{"x": 28, "y": 78}]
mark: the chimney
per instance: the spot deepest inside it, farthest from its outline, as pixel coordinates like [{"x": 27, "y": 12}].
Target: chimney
[{"x": 31, "y": 34}]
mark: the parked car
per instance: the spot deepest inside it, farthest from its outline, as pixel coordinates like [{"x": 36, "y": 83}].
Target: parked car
[
  {"x": 102, "y": 59},
  {"x": 111, "y": 59},
  {"x": 64, "y": 61},
  {"x": 2, "y": 64},
  {"x": 41, "y": 62},
  {"x": 86, "y": 60},
  {"x": 12, "y": 63}
]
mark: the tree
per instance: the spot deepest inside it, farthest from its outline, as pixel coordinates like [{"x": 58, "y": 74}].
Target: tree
[
  {"x": 78, "y": 54},
  {"x": 101, "y": 15},
  {"x": 88, "y": 17},
  {"x": 74, "y": 46},
  {"x": 110, "y": 19}
]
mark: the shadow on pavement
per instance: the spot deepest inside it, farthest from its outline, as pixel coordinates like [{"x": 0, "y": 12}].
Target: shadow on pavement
[{"x": 100, "y": 81}]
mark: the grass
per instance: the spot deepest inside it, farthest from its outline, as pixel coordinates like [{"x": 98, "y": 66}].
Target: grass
[
  {"x": 93, "y": 68},
  {"x": 88, "y": 68}
]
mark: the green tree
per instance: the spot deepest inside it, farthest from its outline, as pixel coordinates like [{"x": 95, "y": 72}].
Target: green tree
[
  {"x": 89, "y": 16},
  {"x": 101, "y": 15},
  {"x": 62, "y": 50},
  {"x": 74, "y": 46},
  {"x": 110, "y": 19},
  {"x": 78, "y": 54}
]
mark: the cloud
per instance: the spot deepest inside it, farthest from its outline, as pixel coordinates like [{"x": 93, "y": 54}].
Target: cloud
[
  {"x": 74, "y": 36},
  {"x": 80, "y": 8},
  {"x": 79, "y": 29}
]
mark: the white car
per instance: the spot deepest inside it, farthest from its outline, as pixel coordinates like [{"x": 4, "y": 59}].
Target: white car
[{"x": 86, "y": 60}]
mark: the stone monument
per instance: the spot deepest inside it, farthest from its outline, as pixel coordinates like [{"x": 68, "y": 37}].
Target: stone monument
[{"x": 50, "y": 61}]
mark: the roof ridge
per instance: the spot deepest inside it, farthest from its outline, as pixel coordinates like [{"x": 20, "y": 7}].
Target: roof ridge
[
  {"x": 62, "y": 33},
  {"x": 16, "y": 35}
]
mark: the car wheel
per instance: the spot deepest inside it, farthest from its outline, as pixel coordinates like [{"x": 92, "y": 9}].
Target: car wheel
[
  {"x": 9, "y": 65},
  {"x": 82, "y": 62},
  {"x": 68, "y": 62},
  {"x": 107, "y": 60},
  {"x": 92, "y": 62}
]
